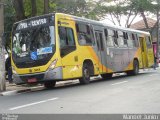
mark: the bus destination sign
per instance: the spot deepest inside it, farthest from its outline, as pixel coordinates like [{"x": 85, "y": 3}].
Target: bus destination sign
[{"x": 32, "y": 23}]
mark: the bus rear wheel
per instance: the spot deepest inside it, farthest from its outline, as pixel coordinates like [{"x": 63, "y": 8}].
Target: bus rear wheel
[
  {"x": 85, "y": 75},
  {"x": 50, "y": 84},
  {"x": 135, "y": 70}
]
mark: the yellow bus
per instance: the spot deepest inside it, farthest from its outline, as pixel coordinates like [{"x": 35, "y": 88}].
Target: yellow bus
[{"x": 56, "y": 47}]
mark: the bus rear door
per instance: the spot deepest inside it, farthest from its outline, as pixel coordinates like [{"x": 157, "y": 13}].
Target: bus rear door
[{"x": 143, "y": 52}]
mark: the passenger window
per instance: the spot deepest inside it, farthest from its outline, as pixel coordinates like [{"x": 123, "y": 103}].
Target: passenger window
[
  {"x": 99, "y": 39},
  {"x": 108, "y": 37},
  {"x": 85, "y": 34},
  {"x": 134, "y": 40},
  {"x": 121, "y": 42},
  {"x": 130, "y": 41},
  {"x": 115, "y": 37},
  {"x": 125, "y": 37}
]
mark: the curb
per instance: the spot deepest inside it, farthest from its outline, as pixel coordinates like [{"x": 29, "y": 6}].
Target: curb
[{"x": 14, "y": 92}]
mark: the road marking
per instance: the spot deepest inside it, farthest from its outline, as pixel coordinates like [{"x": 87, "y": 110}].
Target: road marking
[
  {"x": 119, "y": 83},
  {"x": 35, "y": 103}
]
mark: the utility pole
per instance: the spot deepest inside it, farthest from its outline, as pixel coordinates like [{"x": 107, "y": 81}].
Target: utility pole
[
  {"x": 158, "y": 30},
  {"x": 2, "y": 54}
]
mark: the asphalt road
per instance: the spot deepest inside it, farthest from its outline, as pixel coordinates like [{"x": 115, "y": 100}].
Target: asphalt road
[{"x": 122, "y": 94}]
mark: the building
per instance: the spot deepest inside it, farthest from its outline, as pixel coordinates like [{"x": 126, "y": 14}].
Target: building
[{"x": 152, "y": 24}]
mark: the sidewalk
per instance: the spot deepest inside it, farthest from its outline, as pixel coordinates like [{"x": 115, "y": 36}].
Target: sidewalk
[{"x": 12, "y": 89}]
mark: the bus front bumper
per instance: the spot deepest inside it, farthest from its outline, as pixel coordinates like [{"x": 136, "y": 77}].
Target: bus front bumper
[{"x": 55, "y": 74}]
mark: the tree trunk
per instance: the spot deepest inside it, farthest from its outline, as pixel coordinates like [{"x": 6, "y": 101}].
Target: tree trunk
[
  {"x": 2, "y": 55},
  {"x": 144, "y": 19},
  {"x": 34, "y": 7},
  {"x": 18, "y": 5},
  {"x": 46, "y": 6}
]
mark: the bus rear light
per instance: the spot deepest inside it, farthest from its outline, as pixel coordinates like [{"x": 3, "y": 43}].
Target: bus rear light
[{"x": 53, "y": 64}]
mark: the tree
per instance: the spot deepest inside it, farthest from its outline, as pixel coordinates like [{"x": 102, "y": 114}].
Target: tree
[
  {"x": 2, "y": 58},
  {"x": 115, "y": 10},
  {"x": 9, "y": 19},
  {"x": 19, "y": 8},
  {"x": 143, "y": 6},
  {"x": 34, "y": 7},
  {"x": 73, "y": 7},
  {"x": 46, "y": 6}
]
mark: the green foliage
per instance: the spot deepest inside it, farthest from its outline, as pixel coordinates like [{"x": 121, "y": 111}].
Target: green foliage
[
  {"x": 27, "y": 8},
  {"x": 40, "y": 6},
  {"x": 116, "y": 9},
  {"x": 9, "y": 19},
  {"x": 75, "y": 7},
  {"x": 139, "y": 5}
]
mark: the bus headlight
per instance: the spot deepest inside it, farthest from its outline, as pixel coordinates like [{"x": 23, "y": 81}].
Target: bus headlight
[
  {"x": 13, "y": 70},
  {"x": 53, "y": 64}
]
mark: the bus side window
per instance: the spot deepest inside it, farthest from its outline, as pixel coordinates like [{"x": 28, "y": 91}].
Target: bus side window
[
  {"x": 137, "y": 41},
  {"x": 121, "y": 42},
  {"x": 99, "y": 39},
  {"x": 66, "y": 37},
  {"x": 125, "y": 37},
  {"x": 108, "y": 37},
  {"x": 67, "y": 42},
  {"x": 62, "y": 37},
  {"x": 92, "y": 35},
  {"x": 130, "y": 40},
  {"x": 134, "y": 40},
  {"x": 115, "y": 37},
  {"x": 85, "y": 34}
]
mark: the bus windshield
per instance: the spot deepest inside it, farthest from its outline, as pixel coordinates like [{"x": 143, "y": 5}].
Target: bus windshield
[{"x": 34, "y": 45}]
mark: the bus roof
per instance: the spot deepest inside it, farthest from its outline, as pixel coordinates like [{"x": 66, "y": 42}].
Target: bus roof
[
  {"x": 98, "y": 23},
  {"x": 105, "y": 25}
]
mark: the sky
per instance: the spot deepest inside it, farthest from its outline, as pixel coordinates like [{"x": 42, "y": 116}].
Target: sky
[
  {"x": 138, "y": 18},
  {"x": 124, "y": 18}
]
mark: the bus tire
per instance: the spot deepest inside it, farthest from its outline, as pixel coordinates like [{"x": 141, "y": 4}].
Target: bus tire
[
  {"x": 49, "y": 84},
  {"x": 85, "y": 75},
  {"x": 135, "y": 67},
  {"x": 135, "y": 70},
  {"x": 106, "y": 76}
]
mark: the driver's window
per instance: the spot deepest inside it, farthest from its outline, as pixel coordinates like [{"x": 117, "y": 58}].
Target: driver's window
[
  {"x": 66, "y": 37},
  {"x": 67, "y": 41}
]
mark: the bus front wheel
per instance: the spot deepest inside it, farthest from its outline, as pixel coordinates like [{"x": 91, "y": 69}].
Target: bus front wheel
[
  {"x": 85, "y": 75},
  {"x": 50, "y": 84}
]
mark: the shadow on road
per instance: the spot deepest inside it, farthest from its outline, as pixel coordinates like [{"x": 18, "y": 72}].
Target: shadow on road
[{"x": 94, "y": 80}]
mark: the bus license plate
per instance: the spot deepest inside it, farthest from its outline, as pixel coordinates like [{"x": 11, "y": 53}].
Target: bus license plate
[{"x": 32, "y": 80}]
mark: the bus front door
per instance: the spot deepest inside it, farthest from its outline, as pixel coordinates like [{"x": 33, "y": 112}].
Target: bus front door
[
  {"x": 68, "y": 51},
  {"x": 143, "y": 52}
]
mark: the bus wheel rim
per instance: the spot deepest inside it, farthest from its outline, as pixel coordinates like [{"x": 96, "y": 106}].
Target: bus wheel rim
[{"x": 86, "y": 73}]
